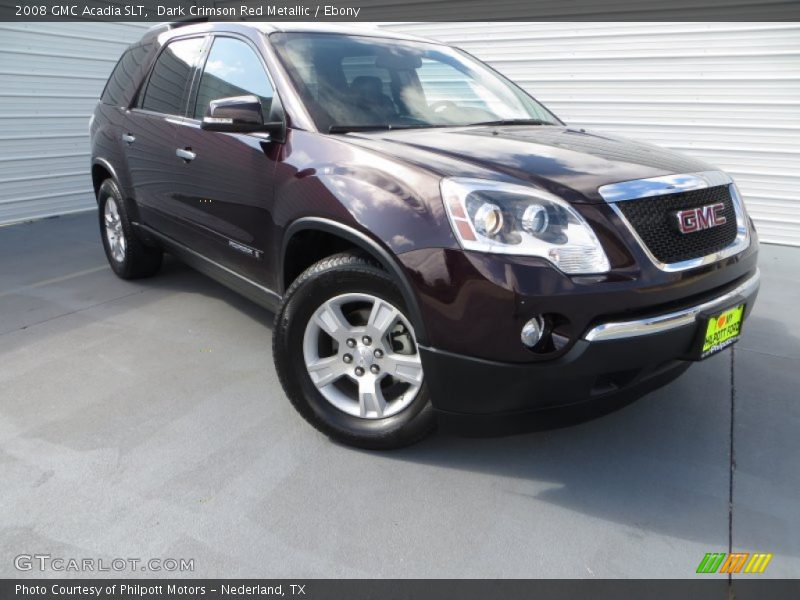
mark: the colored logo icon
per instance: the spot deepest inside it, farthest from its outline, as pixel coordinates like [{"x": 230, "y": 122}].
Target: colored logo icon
[{"x": 736, "y": 562}]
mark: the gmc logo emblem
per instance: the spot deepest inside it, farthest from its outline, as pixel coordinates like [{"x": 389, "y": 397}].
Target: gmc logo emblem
[{"x": 700, "y": 218}]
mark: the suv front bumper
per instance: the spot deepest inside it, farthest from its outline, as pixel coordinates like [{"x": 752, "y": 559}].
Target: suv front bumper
[{"x": 619, "y": 358}]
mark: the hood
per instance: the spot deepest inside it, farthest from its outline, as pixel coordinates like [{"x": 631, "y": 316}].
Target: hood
[{"x": 570, "y": 163}]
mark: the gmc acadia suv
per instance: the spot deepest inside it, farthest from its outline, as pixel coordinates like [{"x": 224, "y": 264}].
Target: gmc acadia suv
[{"x": 434, "y": 242}]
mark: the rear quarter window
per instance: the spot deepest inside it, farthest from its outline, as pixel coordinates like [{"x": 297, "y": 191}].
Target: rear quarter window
[{"x": 125, "y": 76}]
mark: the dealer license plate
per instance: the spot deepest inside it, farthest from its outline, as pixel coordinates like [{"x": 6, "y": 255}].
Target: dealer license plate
[{"x": 722, "y": 330}]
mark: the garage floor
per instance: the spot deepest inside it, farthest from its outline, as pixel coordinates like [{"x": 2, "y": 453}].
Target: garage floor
[{"x": 145, "y": 419}]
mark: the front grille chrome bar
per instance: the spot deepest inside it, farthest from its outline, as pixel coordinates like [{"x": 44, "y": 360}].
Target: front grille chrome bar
[
  {"x": 661, "y": 186},
  {"x": 672, "y": 320}
]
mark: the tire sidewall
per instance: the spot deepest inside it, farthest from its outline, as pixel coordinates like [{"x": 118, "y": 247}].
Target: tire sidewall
[
  {"x": 298, "y": 309},
  {"x": 108, "y": 190}
]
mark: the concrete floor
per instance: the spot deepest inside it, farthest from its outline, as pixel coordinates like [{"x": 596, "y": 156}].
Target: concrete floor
[{"x": 145, "y": 419}]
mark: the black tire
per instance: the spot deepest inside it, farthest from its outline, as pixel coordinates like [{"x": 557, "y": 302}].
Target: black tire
[
  {"x": 137, "y": 259},
  {"x": 331, "y": 277}
]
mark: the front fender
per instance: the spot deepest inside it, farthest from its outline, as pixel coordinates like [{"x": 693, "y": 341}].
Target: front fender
[
  {"x": 375, "y": 202},
  {"x": 396, "y": 203}
]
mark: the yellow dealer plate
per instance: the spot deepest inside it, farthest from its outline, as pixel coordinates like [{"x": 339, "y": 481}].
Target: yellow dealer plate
[{"x": 722, "y": 330}]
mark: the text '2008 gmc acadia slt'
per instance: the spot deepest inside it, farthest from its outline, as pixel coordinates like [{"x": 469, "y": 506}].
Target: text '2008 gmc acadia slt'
[{"x": 433, "y": 240}]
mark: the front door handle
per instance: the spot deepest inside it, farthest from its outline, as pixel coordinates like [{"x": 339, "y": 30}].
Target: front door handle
[
  {"x": 186, "y": 154},
  {"x": 128, "y": 138}
]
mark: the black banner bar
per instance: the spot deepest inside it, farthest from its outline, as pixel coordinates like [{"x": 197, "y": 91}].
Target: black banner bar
[
  {"x": 397, "y": 10},
  {"x": 437, "y": 589}
]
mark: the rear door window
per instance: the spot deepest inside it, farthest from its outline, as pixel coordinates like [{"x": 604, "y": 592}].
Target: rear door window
[{"x": 166, "y": 90}]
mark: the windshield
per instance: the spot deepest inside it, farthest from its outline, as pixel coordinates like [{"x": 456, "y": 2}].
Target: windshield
[{"x": 354, "y": 83}]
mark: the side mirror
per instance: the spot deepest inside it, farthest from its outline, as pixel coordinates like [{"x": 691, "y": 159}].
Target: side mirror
[{"x": 240, "y": 114}]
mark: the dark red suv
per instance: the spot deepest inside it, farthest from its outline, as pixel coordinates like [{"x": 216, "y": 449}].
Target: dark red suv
[{"x": 435, "y": 242}]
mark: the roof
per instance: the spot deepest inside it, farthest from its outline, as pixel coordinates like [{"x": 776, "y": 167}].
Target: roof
[
  {"x": 370, "y": 30},
  {"x": 294, "y": 27}
]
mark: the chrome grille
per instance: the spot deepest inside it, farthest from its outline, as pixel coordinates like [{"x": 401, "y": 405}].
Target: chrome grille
[{"x": 654, "y": 221}]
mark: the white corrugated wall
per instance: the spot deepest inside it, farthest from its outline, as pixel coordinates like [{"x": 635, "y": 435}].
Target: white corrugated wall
[
  {"x": 51, "y": 75},
  {"x": 728, "y": 93}
]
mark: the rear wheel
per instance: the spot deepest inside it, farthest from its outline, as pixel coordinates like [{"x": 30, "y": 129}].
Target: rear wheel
[
  {"x": 347, "y": 355},
  {"x": 127, "y": 255}
]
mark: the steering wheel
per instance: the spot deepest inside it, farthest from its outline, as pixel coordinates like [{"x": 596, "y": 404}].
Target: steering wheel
[{"x": 442, "y": 105}]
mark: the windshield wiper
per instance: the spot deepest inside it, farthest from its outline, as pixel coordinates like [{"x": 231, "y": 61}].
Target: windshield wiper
[
  {"x": 390, "y": 127},
  {"x": 349, "y": 128},
  {"x": 512, "y": 122},
  {"x": 383, "y": 127}
]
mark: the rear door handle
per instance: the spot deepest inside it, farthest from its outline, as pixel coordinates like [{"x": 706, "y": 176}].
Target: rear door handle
[
  {"x": 185, "y": 153},
  {"x": 128, "y": 138}
]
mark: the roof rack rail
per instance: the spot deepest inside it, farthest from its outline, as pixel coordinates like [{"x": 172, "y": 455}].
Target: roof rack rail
[
  {"x": 187, "y": 21},
  {"x": 170, "y": 25}
]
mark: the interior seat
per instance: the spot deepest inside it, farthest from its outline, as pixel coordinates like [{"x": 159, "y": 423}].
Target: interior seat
[{"x": 368, "y": 94}]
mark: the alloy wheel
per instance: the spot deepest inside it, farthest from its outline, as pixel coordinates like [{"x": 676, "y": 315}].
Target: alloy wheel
[
  {"x": 361, "y": 354},
  {"x": 114, "y": 233}
]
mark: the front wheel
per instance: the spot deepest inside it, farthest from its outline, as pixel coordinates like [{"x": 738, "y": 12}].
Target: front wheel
[{"x": 347, "y": 356}]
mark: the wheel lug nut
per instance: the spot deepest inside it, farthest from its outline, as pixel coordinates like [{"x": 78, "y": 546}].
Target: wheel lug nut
[
  {"x": 359, "y": 371},
  {"x": 348, "y": 358},
  {"x": 367, "y": 340},
  {"x": 378, "y": 353},
  {"x": 375, "y": 369},
  {"x": 351, "y": 343}
]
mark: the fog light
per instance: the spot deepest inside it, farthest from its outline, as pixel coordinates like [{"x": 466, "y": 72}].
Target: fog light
[{"x": 532, "y": 331}]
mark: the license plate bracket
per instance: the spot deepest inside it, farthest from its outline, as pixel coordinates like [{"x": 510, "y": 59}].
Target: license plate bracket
[{"x": 718, "y": 329}]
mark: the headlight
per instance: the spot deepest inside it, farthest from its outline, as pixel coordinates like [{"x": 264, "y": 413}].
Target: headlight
[{"x": 504, "y": 218}]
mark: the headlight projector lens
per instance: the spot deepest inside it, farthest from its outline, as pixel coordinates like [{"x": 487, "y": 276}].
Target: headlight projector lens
[
  {"x": 488, "y": 219},
  {"x": 535, "y": 219}
]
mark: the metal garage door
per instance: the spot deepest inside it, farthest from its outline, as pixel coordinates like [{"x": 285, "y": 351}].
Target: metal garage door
[
  {"x": 728, "y": 93},
  {"x": 51, "y": 74}
]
